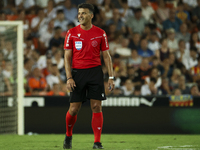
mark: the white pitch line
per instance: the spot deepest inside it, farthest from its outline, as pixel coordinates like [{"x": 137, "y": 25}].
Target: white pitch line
[{"x": 184, "y": 147}]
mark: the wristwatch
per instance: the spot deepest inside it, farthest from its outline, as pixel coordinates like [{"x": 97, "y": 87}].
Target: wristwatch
[{"x": 112, "y": 78}]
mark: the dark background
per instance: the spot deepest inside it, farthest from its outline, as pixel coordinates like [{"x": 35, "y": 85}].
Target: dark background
[{"x": 158, "y": 119}]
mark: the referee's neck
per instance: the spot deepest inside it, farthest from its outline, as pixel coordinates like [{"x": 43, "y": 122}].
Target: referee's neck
[{"x": 86, "y": 27}]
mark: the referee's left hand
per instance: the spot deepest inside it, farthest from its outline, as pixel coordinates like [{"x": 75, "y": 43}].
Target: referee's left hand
[
  {"x": 71, "y": 85},
  {"x": 111, "y": 84}
]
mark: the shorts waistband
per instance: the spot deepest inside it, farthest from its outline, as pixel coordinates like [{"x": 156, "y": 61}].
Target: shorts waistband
[{"x": 87, "y": 68}]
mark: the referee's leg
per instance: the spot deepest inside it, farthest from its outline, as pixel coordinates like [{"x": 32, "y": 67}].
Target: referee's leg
[
  {"x": 97, "y": 119},
  {"x": 71, "y": 117}
]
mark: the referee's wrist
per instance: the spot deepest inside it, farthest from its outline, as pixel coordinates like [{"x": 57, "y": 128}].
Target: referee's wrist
[{"x": 69, "y": 78}]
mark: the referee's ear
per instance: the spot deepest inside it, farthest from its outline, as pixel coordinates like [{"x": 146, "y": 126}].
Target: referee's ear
[{"x": 92, "y": 15}]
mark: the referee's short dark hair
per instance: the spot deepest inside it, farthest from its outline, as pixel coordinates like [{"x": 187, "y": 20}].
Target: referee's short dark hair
[{"x": 87, "y": 5}]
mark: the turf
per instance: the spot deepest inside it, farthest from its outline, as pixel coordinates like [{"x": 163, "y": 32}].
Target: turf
[{"x": 110, "y": 142}]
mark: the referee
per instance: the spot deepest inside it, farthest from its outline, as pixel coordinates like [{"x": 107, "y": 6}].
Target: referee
[{"x": 82, "y": 46}]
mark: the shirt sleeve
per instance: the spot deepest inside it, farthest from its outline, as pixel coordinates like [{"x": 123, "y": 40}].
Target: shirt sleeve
[
  {"x": 104, "y": 44},
  {"x": 68, "y": 44}
]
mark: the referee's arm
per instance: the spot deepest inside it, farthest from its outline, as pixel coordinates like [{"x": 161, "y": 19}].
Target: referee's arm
[
  {"x": 68, "y": 59},
  {"x": 108, "y": 63}
]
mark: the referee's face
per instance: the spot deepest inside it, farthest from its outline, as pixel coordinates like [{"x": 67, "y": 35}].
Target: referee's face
[{"x": 84, "y": 16}]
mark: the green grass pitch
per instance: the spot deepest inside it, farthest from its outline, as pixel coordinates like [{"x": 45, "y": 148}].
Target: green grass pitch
[{"x": 109, "y": 141}]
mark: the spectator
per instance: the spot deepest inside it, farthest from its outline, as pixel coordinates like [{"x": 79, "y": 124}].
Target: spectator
[
  {"x": 61, "y": 21},
  {"x": 164, "y": 89},
  {"x": 168, "y": 69},
  {"x": 128, "y": 88},
  {"x": 182, "y": 86},
  {"x": 50, "y": 11},
  {"x": 56, "y": 91},
  {"x": 147, "y": 11},
  {"x": 116, "y": 62},
  {"x": 120, "y": 26},
  {"x": 182, "y": 14},
  {"x": 47, "y": 70},
  {"x": 142, "y": 72},
  {"x": 54, "y": 48},
  {"x": 194, "y": 90},
  {"x": 164, "y": 51},
  {"x": 117, "y": 92},
  {"x": 69, "y": 26},
  {"x": 28, "y": 63},
  {"x": 135, "y": 41},
  {"x": 134, "y": 3},
  {"x": 112, "y": 31},
  {"x": 57, "y": 38},
  {"x": 162, "y": 11},
  {"x": 135, "y": 60},
  {"x": 53, "y": 77},
  {"x": 47, "y": 35},
  {"x": 177, "y": 92},
  {"x": 172, "y": 43},
  {"x": 96, "y": 20},
  {"x": 182, "y": 53},
  {"x": 106, "y": 10},
  {"x": 28, "y": 47},
  {"x": 131, "y": 72},
  {"x": 137, "y": 90},
  {"x": 58, "y": 59},
  {"x": 40, "y": 60},
  {"x": 36, "y": 81},
  {"x": 144, "y": 51},
  {"x": 190, "y": 4},
  {"x": 195, "y": 71},
  {"x": 116, "y": 42},
  {"x": 194, "y": 41},
  {"x": 156, "y": 63},
  {"x": 5, "y": 88},
  {"x": 123, "y": 50},
  {"x": 39, "y": 23},
  {"x": 2, "y": 16},
  {"x": 175, "y": 78},
  {"x": 22, "y": 17},
  {"x": 149, "y": 88},
  {"x": 191, "y": 61},
  {"x": 153, "y": 44},
  {"x": 196, "y": 12},
  {"x": 154, "y": 73},
  {"x": 8, "y": 51},
  {"x": 137, "y": 22},
  {"x": 70, "y": 11},
  {"x": 64, "y": 89},
  {"x": 125, "y": 11},
  {"x": 172, "y": 22},
  {"x": 183, "y": 34},
  {"x": 24, "y": 4},
  {"x": 42, "y": 3}
]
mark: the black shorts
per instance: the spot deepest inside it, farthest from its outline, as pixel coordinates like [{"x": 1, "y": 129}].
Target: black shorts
[{"x": 89, "y": 85}]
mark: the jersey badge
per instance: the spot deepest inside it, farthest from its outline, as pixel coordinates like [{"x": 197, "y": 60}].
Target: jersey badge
[
  {"x": 94, "y": 43},
  {"x": 78, "y": 45},
  {"x": 79, "y": 35}
]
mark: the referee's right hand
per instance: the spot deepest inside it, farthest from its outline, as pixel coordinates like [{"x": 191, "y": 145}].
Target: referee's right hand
[{"x": 71, "y": 85}]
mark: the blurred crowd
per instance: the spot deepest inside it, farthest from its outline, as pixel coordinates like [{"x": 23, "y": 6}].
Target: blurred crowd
[{"x": 154, "y": 44}]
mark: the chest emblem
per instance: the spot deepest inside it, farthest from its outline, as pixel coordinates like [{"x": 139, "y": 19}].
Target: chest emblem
[
  {"x": 94, "y": 43},
  {"x": 78, "y": 45}
]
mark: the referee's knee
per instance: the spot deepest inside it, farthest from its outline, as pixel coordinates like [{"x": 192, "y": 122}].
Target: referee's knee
[
  {"x": 96, "y": 108},
  {"x": 73, "y": 110}
]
